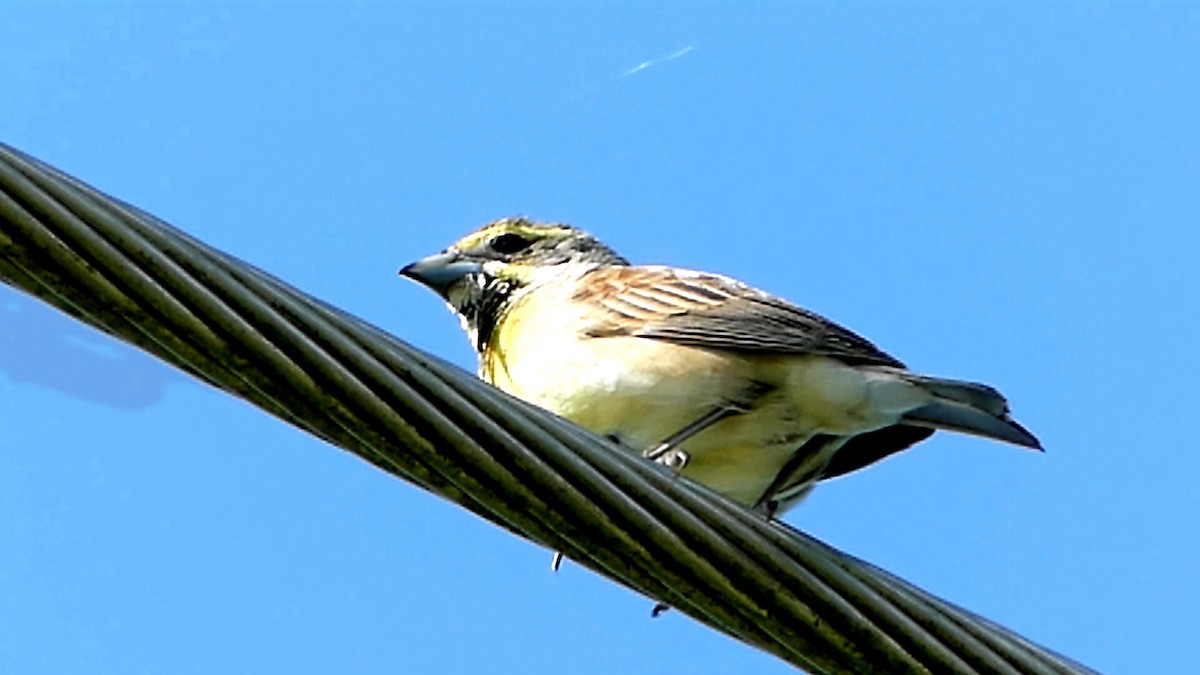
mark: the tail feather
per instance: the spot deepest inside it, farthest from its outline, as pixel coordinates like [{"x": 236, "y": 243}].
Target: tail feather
[
  {"x": 969, "y": 408},
  {"x": 972, "y": 394}
]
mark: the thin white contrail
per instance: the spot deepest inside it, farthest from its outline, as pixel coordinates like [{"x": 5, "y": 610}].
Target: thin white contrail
[
  {"x": 654, "y": 62},
  {"x": 593, "y": 88}
]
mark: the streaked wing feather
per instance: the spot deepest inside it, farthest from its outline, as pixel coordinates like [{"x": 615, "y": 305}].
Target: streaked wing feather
[{"x": 713, "y": 311}]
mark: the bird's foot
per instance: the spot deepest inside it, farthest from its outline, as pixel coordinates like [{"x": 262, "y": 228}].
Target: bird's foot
[{"x": 669, "y": 456}]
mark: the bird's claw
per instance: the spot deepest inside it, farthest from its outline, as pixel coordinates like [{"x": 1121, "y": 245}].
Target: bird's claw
[{"x": 672, "y": 458}]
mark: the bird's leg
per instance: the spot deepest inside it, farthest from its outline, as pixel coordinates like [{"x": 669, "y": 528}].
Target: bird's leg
[
  {"x": 667, "y": 452},
  {"x": 556, "y": 562},
  {"x": 670, "y": 455}
]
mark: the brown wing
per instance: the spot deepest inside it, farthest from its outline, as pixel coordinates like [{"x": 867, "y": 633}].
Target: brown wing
[{"x": 713, "y": 311}]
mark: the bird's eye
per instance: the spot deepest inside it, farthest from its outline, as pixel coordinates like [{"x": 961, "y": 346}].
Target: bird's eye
[{"x": 509, "y": 243}]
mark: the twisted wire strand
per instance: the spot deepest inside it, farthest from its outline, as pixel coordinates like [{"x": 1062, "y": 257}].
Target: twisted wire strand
[{"x": 349, "y": 383}]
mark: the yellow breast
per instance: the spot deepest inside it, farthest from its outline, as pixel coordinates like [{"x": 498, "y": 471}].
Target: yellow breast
[{"x": 642, "y": 391}]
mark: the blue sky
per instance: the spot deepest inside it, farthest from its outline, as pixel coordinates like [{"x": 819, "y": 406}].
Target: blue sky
[{"x": 1005, "y": 193}]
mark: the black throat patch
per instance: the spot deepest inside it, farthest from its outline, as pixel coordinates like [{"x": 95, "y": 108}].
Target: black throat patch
[{"x": 484, "y": 310}]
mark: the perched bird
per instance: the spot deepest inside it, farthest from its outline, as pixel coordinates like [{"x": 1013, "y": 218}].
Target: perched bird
[{"x": 734, "y": 387}]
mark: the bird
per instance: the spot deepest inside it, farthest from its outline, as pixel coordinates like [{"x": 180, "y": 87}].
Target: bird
[{"x": 730, "y": 386}]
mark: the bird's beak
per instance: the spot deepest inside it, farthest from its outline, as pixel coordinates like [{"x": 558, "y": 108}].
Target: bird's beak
[{"x": 441, "y": 270}]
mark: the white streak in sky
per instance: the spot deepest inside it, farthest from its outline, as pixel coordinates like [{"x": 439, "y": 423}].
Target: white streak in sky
[
  {"x": 593, "y": 88},
  {"x": 654, "y": 62}
]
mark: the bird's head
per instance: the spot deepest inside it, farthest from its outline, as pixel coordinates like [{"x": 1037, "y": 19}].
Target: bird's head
[{"x": 481, "y": 273}]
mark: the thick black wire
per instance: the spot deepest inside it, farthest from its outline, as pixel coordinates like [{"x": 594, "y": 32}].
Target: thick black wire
[
  {"x": 249, "y": 310},
  {"x": 120, "y": 269},
  {"x": 99, "y": 256}
]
